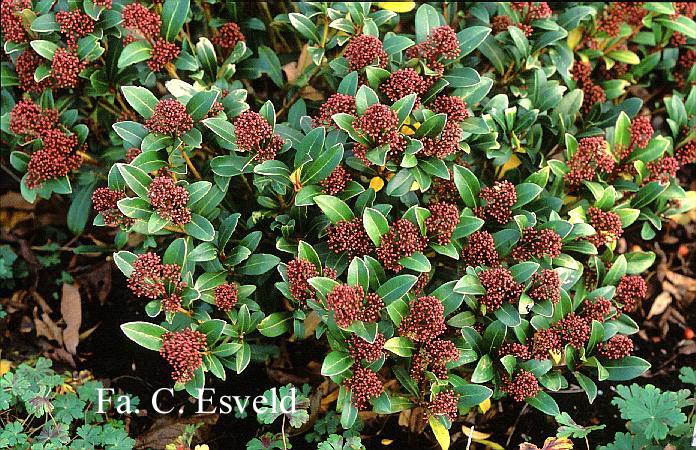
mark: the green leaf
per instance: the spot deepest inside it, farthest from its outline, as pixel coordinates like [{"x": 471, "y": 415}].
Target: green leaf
[
  {"x": 647, "y": 194},
  {"x": 222, "y": 128},
  {"x": 544, "y": 403},
  {"x": 508, "y": 315},
  {"x": 427, "y": 18},
  {"x": 44, "y": 48},
  {"x": 322, "y": 167},
  {"x": 80, "y": 206},
  {"x": 334, "y": 208},
  {"x": 396, "y": 287},
  {"x": 484, "y": 370},
  {"x": 467, "y": 185},
  {"x": 682, "y": 24},
  {"x": 174, "y": 14},
  {"x": 462, "y": 77},
  {"x": 624, "y": 56},
  {"x": 270, "y": 64},
  {"x": 200, "y": 228},
  {"x": 471, "y": 395},
  {"x": 134, "y": 53},
  {"x": 526, "y": 192},
  {"x": 375, "y": 224},
  {"x": 335, "y": 363},
  {"x": 141, "y": 99},
  {"x": 305, "y": 27},
  {"x": 45, "y": 24},
  {"x": 276, "y": 324},
  {"x": 205, "y": 52},
  {"x": 135, "y": 178},
  {"x": 626, "y": 368},
  {"x": 401, "y": 346},
  {"x": 587, "y": 385},
  {"x": 618, "y": 270},
  {"x": 124, "y": 261},
  {"x": 417, "y": 262},
  {"x": 145, "y": 334},
  {"x": 432, "y": 126},
  {"x": 199, "y": 105},
  {"x": 470, "y": 38},
  {"x": 259, "y": 264}
]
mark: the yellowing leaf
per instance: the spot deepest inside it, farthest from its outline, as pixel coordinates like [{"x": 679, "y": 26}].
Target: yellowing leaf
[
  {"x": 485, "y": 405},
  {"x": 554, "y": 443},
  {"x": 441, "y": 433},
  {"x": 574, "y": 38},
  {"x": 376, "y": 183},
  {"x": 475, "y": 435},
  {"x": 415, "y": 186},
  {"x": 295, "y": 179},
  {"x": 511, "y": 163},
  {"x": 409, "y": 129},
  {"x": 397, "y": 7},
  {"x": 5, "y": 366}
]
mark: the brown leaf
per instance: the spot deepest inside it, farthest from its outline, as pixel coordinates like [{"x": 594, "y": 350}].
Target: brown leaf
[
  {"x": 14, "y": 200},
  {"x": 71, "y": 309},
  {"x": 47, "y": 328},
  {"x": 166, "y": 429},
  {"x": 660, "y": 304},
  {"x": 97, "y": 281}
]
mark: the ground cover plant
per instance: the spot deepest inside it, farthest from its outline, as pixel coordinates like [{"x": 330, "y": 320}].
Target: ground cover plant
[{"x": 421, "y": 209}]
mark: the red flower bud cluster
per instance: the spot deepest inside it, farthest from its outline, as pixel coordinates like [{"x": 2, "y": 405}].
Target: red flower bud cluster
[
  {"x": 105, "y": 202},
  {"x": 606, "y": 224},
  {"x": 360, "y": 349},
  {"x": 349, "y": 304},
  {"x": 255, "y": 134},
  {"x": 26, "y": 65},
  {"x": 618, "y": 347},
  {"x": 687, "y": 9},
  {"x": 74, "y": 25},
  {"x": 378, "y": 123},
  {"x": 183, "y": 351},
  {"x": 163, "y": 53},
  {"x": 441, "y": 44},
  {"x": 169, "y": 200},
  {"x": 229, "y": 35},
  {"x": 349, "y": 236},
  {"x": 402, "y": 83},
  {"x": 425, "y": 321},
  {"x": 337, "y": 103},
  {"x": 152, "y": 279},
  {"x": 538, "y": 244},
  {"x": 136, "y": 17},
  {"x": 500, "y": 287},
  {"x": 546, "y": 285},
  {"x": 662, "y": 170},
  {"x": 433, "y": 357},
  {"x": 65, "y": 68},
  {"x": 132, "y": 153},
  {"x": 515, "y": 349},
  {"x": 56, "y": 158},
  {"x": 444, "y": 218},
  {"x": 445, "y": 190},
  {"x": 444, "y": 145},
  {"x": 226, "y": 296},
  {"x": 593, "y": 93},
  {"x": 686, "y": 154},
  {"x": 106, "y": 4},
  {"x": 364, "y": 385},
  {"x": 630, "y": 292},
  {"x": 299, "y": 271},
  {"x": 402, "y": 239},
  {"x": 686, "y": 59},
  {"x": 574, "y": 330},
  {"x": 170, "y": 117},
  {"x": 524, "y": 385},
  {"x": 617, "y": 13},
  {"x": 501, "y": 23},
  {"x": 641, "y": 131},
  {"x": 30, "y": 120},
  {"x": 499, "y": 200},
  {"x": 365, "y": 50},
  {"x": 597, "y": 310},
  {"x": 11, "y": 22},
  {"x": 454, "y": 107},
  {"x": 336, "y": 182},
  {"x": 445, "y": 404},
  {"x": 544, "y": 341},
  {"x": 592, "y": 155},
  {"x": 480, "y": 250},
  {"x": 529, "y": 11}
]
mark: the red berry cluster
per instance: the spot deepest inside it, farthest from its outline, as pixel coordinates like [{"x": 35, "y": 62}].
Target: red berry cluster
[
  {"x": 529, "y": 11},
  {"x": 226, "y": 296},
  {"x": 454, "y": 107},
  {"x": 598, "y": 310},
  {"x": 336, "y": 182},
  {"x": 349, "y": 304},
  {"x": 425, "y": 321},
  {"x": 105, "y": 202},
  {"x": 364, "y": 385},
  {"x": 163, "y": 53},
  {"x": 592, "y": 155},
  {"x": 11, "y": 22},
  {"x": 686, "y": 154},
  {"x": 337, "y": 103},
  {"x": 74, "y": 25},
  {"x": 524, "y": 385},
  {"x": 169, "y": 200},
  {"x": 617, "y": 13},
  {"x": 546, "y": 285},
  {"x": 183, "y": 351},
  {"x": 545, "y": 340},
  {"x": 299, "y": 271},
  {"x": 170, "y": 117},
  {"x": 229, "y": 35},
  {"x": 65, "y": 68},
  {"x": 137, "y": 18},
  {"x": 402, "y": 83},
  {"x": 349, "y": 236},
  {"x": 593, "y": 93},
  {"x": 378, "y": 124},
  {"x": 106, "y": 4},
  {"x": 662, "y": 170},
  {"x": 515, "y": 349},
  {"x": 499, "y": 200},
  {"x": 360, "y": 349},
  {"x": 500, "y": 24},
  {"x": 433, "y": 357},
  {"x": 444, "y": 218},
  {"x": 574, "y": 330},
  {"x": 442, "y": 44},
  {"x": 152, "y": 279},
  {"x": 402, "y": 239},
  {"x": 500, "y": 287},
  {"x": 254, "y": 134},
  {"x": 57, "y": 157},
  {"x": 538, "y": 244},
  {"x": 480, "y": 250},
  {"x": 26, "y": 65},
  {"x": 444, "y": 404},
  {"x": 618, "y": 347},
  {"x": 641, "y": 132},
  {"x": 607, "y": 224},
  {"x": 30, "y": 121},
  {"x": 630, "y": 292},
  {"x": 365, "y": 50}
]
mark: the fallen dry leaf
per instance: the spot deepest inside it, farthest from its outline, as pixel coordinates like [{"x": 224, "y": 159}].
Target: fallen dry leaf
[
  {"x": 47, "y": 328},
  {"x": 660, "y": 304},
  {"x": 71, "y": 309},
  {"x": 166, "y": 429}
]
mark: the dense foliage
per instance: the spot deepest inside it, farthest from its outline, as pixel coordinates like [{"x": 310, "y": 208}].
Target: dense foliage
[{"x": 442, "y": 190}]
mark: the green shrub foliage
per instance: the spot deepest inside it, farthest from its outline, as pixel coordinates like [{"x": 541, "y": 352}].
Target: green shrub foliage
[{"x": 447, "y": 215}]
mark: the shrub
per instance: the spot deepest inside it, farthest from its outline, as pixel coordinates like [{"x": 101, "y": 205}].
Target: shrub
[{"x": 451, "y": 213}]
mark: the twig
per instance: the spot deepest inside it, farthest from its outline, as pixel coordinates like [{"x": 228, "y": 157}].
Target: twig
[{"x": 514, "y": 426}]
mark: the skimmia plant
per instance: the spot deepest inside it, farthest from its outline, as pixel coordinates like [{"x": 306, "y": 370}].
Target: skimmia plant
[{"x": 442, "y": 190}]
